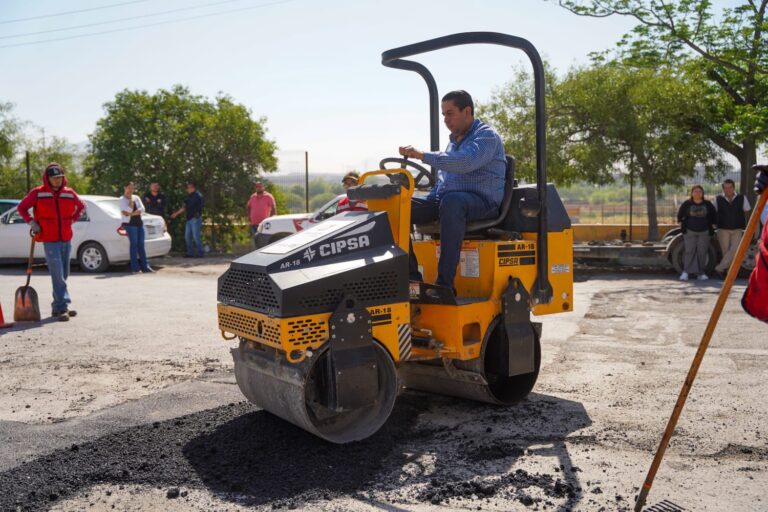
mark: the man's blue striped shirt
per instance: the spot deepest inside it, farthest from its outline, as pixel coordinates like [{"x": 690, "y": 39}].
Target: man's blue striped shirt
[{"x": 476, "y": 164}]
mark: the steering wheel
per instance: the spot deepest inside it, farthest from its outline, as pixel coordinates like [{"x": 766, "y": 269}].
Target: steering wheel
[{"x": 424, "y": 180}]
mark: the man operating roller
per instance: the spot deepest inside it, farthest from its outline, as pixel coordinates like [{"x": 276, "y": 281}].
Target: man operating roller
[{"x": 470, "y": 182}]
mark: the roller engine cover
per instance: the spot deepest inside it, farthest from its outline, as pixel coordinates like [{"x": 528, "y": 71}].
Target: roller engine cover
[{"x": 351, "y": 254}]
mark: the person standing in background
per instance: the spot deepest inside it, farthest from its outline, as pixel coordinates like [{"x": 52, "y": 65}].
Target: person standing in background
[
  {"x": 193, "y": 206},
  {"x": 731, "y": 221},
  {"x": 131, "y": 209},
  {"x": 697, "y": 217},
  {"x": 346, "y": 204},
  {"x": 260, "y": 205},
  {"x": 56, "y": 208},
  {"x": 154, "y": 200}
]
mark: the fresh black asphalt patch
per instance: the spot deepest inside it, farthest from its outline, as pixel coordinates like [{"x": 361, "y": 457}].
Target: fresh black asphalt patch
[{"x": 250, "y": 457}]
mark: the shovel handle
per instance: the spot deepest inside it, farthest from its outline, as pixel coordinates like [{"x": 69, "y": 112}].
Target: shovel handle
[{"x": 31, "y": 257}]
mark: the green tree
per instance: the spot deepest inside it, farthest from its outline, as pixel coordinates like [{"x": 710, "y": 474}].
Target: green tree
[
  {"x": 293, "y": 202},
  {"x": 320, "y": 199},
  {"x": 626, "y": 119},
  {"x": 175, "y": 137},
  {"x": 317, "y": 186},
  {"x": 511, "y": 112},
  {"x": 726, "y": 55},
  {"x": 15, "y": 142},
  {"x": 12, "y": 180},
  {"x": 602, "y": 121}
]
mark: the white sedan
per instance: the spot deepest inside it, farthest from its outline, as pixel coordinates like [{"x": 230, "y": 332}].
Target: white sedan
[{"x": 98, "y": 238}]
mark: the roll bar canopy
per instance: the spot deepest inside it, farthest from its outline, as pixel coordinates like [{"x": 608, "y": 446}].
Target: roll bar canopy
[{"x": 395, "y": 58}]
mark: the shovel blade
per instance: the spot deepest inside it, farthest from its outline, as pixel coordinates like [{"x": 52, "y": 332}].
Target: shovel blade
[{"x": 26, "y": 307}]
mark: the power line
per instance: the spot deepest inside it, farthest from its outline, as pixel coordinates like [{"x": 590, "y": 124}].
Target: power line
[
  {"x": 147, "y": 25},
  {"x": 71, "y": 12},
  {"x": 119, "y": 20}
]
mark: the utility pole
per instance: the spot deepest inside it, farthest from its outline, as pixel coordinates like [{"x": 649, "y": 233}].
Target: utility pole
[
  {"x": 306, "y": 181},
  {"x": 29, "y": 182},
  {"x": 631, "y": 194}
]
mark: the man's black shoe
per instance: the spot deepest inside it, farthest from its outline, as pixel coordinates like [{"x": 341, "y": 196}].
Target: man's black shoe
[
  {"x": 188, "y": 256},
  {"x": 63, "y": 317},
  {"x": 149, "y": 270},
  {"x": 71, "y": 312}
]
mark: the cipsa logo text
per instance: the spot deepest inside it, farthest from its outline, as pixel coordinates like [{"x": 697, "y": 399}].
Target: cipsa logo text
[{"x": 339, "y": 246}]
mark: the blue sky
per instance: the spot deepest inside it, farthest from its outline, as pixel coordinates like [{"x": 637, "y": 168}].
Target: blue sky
[{"x": 312, "y": 68}]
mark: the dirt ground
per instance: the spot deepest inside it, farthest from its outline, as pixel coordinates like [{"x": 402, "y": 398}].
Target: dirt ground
[{"x": 132, "y": 406}]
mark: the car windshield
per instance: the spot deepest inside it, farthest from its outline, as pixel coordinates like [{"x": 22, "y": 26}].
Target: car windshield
[{"x": 111, "y": 206}]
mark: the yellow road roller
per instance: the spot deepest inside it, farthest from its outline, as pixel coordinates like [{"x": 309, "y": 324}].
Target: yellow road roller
[{"x": 330, "y": 328}]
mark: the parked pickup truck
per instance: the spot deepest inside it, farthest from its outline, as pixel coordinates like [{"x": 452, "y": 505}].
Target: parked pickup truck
[{"x": 280, "y": 226}]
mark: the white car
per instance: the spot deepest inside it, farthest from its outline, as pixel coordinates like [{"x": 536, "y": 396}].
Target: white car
[
  {"x": 98, "y": 238},
  {"x": 276, "y": 227}
]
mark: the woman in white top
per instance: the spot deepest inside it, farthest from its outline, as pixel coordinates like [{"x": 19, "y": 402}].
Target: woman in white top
[{"x": 131, "y": 208}]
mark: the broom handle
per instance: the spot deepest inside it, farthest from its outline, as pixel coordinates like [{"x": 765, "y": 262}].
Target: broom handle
[
  {"x": 746, "y": 239},
  {"x": 29, "y": 263}
]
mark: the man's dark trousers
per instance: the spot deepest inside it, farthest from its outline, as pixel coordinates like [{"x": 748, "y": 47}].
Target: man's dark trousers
[{"x": 454, "y": 210}]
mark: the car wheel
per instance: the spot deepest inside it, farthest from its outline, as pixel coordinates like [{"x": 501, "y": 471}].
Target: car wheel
[{"x": 92, "y": 258}]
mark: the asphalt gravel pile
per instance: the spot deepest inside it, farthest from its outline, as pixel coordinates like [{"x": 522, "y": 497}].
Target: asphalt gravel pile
[
  {"x": 515, "y": 484},
  {"x": 236, "y": 451},
  {"x": 252, "y": 458}
]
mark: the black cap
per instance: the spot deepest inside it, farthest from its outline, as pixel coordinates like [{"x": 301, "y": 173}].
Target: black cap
[{"x": 54, "y": 171}]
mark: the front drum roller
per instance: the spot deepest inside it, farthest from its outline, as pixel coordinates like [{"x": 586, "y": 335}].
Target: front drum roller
[
  {"x": 478, "y": 379},
  {"x": 295, "y": 392}
]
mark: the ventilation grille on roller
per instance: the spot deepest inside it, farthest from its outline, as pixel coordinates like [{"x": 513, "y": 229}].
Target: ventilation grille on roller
[
  {"x": 381, "y": 288},
  {"x": 249, "y": 288}
]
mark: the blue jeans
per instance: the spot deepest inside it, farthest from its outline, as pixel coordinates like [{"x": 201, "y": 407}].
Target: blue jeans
[
  {"x": 136, "y": 237},
  {"x": 193, "y": 236},
  {"x": 57, "y": 259},
  {"x": 453, "y": 210}
]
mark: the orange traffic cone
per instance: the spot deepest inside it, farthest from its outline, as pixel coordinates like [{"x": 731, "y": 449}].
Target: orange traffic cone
[{"x": 2, "y": 320}]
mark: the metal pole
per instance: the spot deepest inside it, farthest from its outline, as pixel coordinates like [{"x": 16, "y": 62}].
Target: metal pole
[
  {"x": 29, "y": 182},
  {"x": 746, "y": 239},
  {"x": 631, "y": 193},
  {"x": 306, "y": 181}
]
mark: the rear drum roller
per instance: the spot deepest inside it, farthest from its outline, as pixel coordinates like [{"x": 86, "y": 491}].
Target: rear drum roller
[
  {"x": 295, "y": 392},
  {"x": 476, "y": 379},
  {"x": 504, "y": 389}
]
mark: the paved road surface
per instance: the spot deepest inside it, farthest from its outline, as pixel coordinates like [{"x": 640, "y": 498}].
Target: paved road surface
[{"x": 132, "y": 404}]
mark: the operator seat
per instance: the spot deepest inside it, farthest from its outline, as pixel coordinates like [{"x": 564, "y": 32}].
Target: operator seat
[{"x": 480, "y": 228}]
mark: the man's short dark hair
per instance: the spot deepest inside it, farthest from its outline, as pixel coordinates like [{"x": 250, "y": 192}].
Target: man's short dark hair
[
  {"x": 729, "y": 181},
  {"x": 191, "y": 184},
  {"x": 461, "y": 99}
]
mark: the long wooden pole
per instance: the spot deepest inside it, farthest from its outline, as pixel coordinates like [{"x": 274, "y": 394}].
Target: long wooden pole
[{"x": 746, "y": 239}]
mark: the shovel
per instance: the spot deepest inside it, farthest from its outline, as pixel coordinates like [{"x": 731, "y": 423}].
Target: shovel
[{"x": 26, "y": 307}]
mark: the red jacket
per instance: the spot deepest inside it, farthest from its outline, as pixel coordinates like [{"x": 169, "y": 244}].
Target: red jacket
[
  {"x": 55, "y": 211},
  {"x": 755, "y": 300},
  {"x": 345, "y": 204}
]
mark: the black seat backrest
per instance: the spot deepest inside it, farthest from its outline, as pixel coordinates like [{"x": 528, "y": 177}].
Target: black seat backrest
[{"x": 509, "y": 185}]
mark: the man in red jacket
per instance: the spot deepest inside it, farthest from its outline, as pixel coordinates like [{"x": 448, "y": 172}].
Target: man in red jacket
[
  {"x": 56, "y": 207},
  {"x": 755, "y": 300}
]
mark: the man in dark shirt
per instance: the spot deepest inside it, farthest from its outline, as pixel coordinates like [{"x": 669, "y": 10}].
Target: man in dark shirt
[
  {"x": 154, "y": 200},
  {"x": 732, "y": 211},
  {"x": 193, "y": 206}
]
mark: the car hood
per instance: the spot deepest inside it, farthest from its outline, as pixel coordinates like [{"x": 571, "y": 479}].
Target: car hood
[{"x": 289, "y": 216}]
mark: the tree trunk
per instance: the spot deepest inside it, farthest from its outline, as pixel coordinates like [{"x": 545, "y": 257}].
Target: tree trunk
[
  {"x": 747, "y": 159},
  {"x": 650, "y": 195}
]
